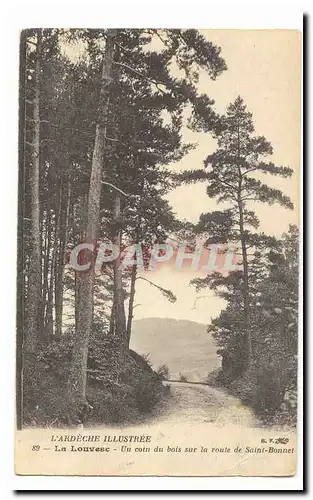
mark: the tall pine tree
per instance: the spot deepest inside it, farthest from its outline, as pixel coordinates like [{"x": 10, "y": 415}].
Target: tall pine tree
[{"x": 233, "y": 173}]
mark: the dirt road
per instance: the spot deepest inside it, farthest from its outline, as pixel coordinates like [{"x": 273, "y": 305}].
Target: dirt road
[{"x": 197, "y": 403}]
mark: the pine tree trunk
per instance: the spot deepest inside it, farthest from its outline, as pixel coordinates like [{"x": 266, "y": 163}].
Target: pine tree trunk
[
  {"x": 246, "y": 287},
  {"x": 76, "y": 301},
  {"x": 120, "y": 318},
  {"x": 59, "y": 285},
  {"x": 53, "y": 270},
  {"x": 246, "y": 299},
  {"x": 41, "y": 312},
  {"x": 48, "y": 237},
  {"x": 33, "y": 303},
  {"x": 134, "y": 267},
  {"x": 131, "y": 302},
  {"x": 44, "y": 260},
  {"x": 81, "y": 214},
  {"x": 112, "y": 318},
  {"x": 78, "y": 372}
]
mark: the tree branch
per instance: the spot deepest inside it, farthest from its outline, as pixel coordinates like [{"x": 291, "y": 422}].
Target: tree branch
[
  {"x": 116, "y": 188},
  {"x": 154, "y": 82}
]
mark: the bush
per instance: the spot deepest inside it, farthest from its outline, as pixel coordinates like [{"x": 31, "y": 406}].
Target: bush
[
  {"x": 163, "y": 372},
  {"x": 183, "y": 378},
  {"x": 45, "y": 401},
  {"x": 214, "y": 378},
  {"x": 147, "y": 392},
  {"x": 115, "y": 392},
  {"x": 263, "y": 387}
]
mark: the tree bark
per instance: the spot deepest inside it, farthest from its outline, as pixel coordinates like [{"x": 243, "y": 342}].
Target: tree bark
[
  {"x": 112, "y": 318},
  {"x": 48, "y": 237},
  {"x": 131, "y": 302},
  {"x": 59, "y": 285},
  {"x": 246, "y": 300},
  {"x": 80, "y": 212},
  {"x": 33, "y": 302},
  {"x": 119, "y": 309},
  {"x": 53, "y": 269},
  {"x": 134, "y": 267},
  {"x": 85, "y": 280}
]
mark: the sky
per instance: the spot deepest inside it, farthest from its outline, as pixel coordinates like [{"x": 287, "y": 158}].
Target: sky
[{"x": 264, "y": 67}]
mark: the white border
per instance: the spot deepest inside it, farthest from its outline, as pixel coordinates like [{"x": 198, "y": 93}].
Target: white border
[{"x": 226, "y": 15}]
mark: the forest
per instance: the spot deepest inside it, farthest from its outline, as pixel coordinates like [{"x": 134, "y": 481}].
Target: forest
[{"x": 99, "y": 137}]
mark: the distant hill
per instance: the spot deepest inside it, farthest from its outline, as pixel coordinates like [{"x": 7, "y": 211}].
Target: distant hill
[{"x": 184, "y": 346}]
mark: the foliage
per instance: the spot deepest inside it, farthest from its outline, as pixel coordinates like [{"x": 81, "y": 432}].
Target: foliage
[
  {"x": 183, "y": 378},
  {"x": 270, "y": 384},
  {"x": 163, "y": 371},
  {"x": 146, "y": 106}
]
